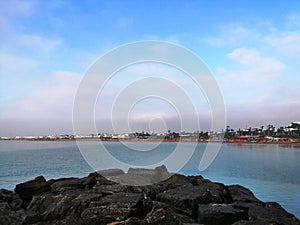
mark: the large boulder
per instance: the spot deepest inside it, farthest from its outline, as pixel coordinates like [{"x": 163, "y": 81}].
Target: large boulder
[
  {"x": 64, "y": 184},
  {"x": 240, "y": 193},
  {"x": 110, "y": 189},
  {"x": 162, "y": 214},
  {"x": 30, "y": 188},
  {"x": 111, "y": 173},
  {"x": 153, "y": 190},
  {"x": 141, "y": 176},
  {"x": 14, "y": 200},
  {"x": 221, "y": 214},
  {"x": 61, "y": 206},
  {"x": 115, "y": 207},
  {"x": 270, "y": 212},
  {"x": 8, "y": 215},
  {"x": 187, "y": 197}
]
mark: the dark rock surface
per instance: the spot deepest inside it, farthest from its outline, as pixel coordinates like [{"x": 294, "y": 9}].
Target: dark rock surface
[
  {"x": 221, "y": 214},
  {"x": 30, "y": 188},
  {"x": 97, "y": 200}
]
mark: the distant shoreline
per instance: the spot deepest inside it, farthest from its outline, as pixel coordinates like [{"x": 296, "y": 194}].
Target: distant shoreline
[{"x": 158, "y": 140}]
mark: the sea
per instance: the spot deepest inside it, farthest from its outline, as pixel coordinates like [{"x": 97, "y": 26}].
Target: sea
[{"x": 271, "y": 171}]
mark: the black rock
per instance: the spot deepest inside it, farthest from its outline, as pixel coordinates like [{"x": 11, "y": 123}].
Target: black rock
[
  {"x": 119, "y": 206},
  {"x": 97, "y": 200},
  {"x": 130, "y": 221},
  {"x": 270, "y": 212},
  {"x": 162, "y": 214},
  {"x": 9, "y": 215},
  {"x": 60, "y": 206},
  {"x": 240, "y": 193},
  {"x": 14, "y": 200},
  {"x": 88, "y": 182},
  {"x": 30, "y": 188},
  {"x": 187, "y": 197},
  {"x": 221, "y": 214},
  {"x": 255, "y": 222},
  {"x": 6, "y": 195},
  {"x": 109, "y": 173},
  {"x": 153, "y": 190}
]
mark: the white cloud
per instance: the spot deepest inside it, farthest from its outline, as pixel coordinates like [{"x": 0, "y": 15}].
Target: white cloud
[
  {"x": 165, "y": 76},
  {"x": 11, "y": 64},
  {"x": 260, "y": 80},
  {"x": 9, "y": 10},
  {"x": 276, "y": 113},
  {"x": 294, "y": 20},
  {"x": 148, "y": 116},
  {"x": 252, "y": 80},
  {"x": 284, "y": 39},
  {"x": 38, "y": 43},
  {"x": 15, "y": 7},
  {"x": 48, "y": 99},
  {"x": 232, "y": 34},
  {"x": 252, "y": 59},
  {"x": 287, "y": 43},
  {"x": 13, "y": 37}
]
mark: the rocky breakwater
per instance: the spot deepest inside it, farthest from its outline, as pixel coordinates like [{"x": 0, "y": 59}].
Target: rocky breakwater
[{"x": 97, "y": 200}]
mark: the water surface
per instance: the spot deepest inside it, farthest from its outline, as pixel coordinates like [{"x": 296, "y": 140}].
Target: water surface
[{"x": 270, "y": 171}]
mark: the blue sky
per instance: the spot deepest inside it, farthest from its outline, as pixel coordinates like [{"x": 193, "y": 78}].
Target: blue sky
[{"x": 251, "y": 47}]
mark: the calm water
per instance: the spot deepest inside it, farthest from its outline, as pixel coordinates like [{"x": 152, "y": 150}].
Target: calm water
[{"x": 270, "y": 171}]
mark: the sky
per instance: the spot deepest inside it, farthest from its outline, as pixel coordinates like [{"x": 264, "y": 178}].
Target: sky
[{"x": 252, "y": 48}]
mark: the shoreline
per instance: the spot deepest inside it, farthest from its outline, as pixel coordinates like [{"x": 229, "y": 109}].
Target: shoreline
[{"x": 294, "y": 142}]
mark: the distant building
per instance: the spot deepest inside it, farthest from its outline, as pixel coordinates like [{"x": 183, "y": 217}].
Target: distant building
[{"x": 293, "y": 128}]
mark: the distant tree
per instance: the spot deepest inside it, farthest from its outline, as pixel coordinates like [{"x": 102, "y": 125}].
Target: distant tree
[
  {"x": 280, "y": 131},
  {"x": 250, "y": 131},
  {"x": 200, "y": 134},
  {"x": 227, "y": 133},
  {"x": 262, "y": 133},
  {"x": 270, "y": 130},
  {"x": 205, "y": 135}
]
